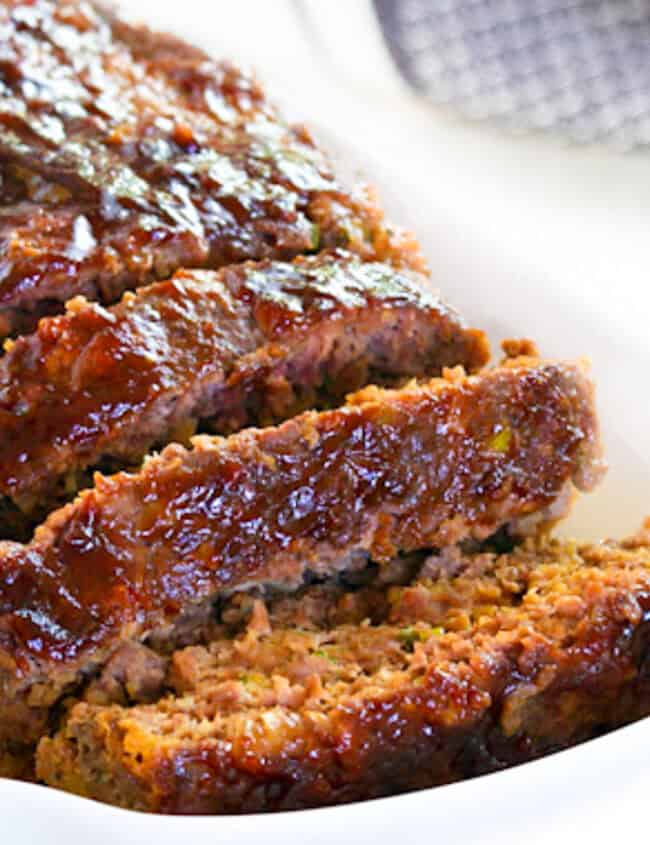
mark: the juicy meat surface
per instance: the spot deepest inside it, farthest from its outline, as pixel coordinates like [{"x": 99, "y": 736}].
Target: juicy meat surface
[
  {"x": 126, "y": 154},
  {"x": 251, "y": 344},
  {"x": 482, "y": 662},
  {"x": 391, "y": 471}
]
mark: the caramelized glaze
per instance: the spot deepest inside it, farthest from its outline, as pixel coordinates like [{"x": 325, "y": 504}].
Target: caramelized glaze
[
  {"x": 246, "y": 345},
  {"x": 392, "y": 471},
  {"x": 126, "y": 154},
  {"x": 531, "y": 652}
]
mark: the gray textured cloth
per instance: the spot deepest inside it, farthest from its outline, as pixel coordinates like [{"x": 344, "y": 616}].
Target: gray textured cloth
[{"x": 580, "y": 69}]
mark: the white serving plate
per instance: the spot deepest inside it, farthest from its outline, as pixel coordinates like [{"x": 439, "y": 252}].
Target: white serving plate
[
  {"x": 596, "y": 793},
  {"x": 527, "y": 239}
]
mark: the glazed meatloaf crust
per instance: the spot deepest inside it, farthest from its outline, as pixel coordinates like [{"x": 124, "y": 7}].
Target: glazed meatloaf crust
[
  {"x": 125, "y": 154},
  {"x": 392, "y": 471},
  {"x": 482, "y": 662},
  {"x": 251, "y": 344}
]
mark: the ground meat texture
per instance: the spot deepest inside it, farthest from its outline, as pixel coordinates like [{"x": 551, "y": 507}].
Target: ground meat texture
[
  {"x": 391, "y": 471},
  {"x": 133, "y": 673},
  {"x": 251, "y": 344},
  {"x": 123, "y": 162},
  {"x": 553, "y": 651}
]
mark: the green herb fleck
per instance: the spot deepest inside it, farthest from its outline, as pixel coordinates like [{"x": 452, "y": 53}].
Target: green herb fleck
[
  {"x": 500, "y": 441},
  {"x": 409, "y": 636},
  {"x": 322, "y": 653}
]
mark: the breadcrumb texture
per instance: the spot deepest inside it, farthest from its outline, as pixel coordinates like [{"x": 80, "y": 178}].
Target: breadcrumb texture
[
  {"x": 481, "y": 662},
  {"x": 392, "y": 471}
]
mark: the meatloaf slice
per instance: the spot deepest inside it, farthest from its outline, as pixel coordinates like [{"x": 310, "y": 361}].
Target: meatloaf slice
[
  {"x": 251, "y": 344},
  {"x": 391, "y": 471},
  {"x": 483, "y": 662},
  {"x": 127, "y": 154}
]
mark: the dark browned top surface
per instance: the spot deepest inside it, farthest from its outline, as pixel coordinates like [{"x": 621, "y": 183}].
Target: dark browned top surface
[
  {"x": 100, "y": 383},
  {"x": 393, "y": 470},
  {"x": 502, "y": 659},
  {"x": 126, "y": 154}
]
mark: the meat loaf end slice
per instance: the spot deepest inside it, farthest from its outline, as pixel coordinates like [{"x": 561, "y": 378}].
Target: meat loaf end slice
[
  {"x": 392, "y": 471},
  {"x": 481, "y": 663},
  {"x": 127, "y": 154},
  {"x": 251, "y": 344}
]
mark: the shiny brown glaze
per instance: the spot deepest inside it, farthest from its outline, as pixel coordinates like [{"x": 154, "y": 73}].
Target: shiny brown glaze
[
  {"x": 252, "y": 344},
  {"x": 126, "y": 154},
  {"x": 391, "y": 471},
  {"x": 553, "y": 650}
]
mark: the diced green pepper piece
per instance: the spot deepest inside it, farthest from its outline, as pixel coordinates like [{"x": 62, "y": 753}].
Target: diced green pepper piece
[
  {"x": 409, "y": 636},
  {"x": 500, "y": 442}
]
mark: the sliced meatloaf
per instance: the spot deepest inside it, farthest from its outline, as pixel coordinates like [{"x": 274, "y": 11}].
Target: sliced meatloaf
[
  {"x": 391, "y": 471},
  {"x": 251, "y": 344},
  {"x": 482, "y": 662},
  {"x": 126, "y": 154}
]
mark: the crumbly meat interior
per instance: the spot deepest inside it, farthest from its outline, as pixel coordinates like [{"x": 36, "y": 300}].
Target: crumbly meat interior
[
  {"x": 139, "y": 554},
  {"x": 503, "y": 657}
]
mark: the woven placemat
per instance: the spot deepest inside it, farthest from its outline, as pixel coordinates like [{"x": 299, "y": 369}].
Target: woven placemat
[{"x": 577, "y": 69}]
